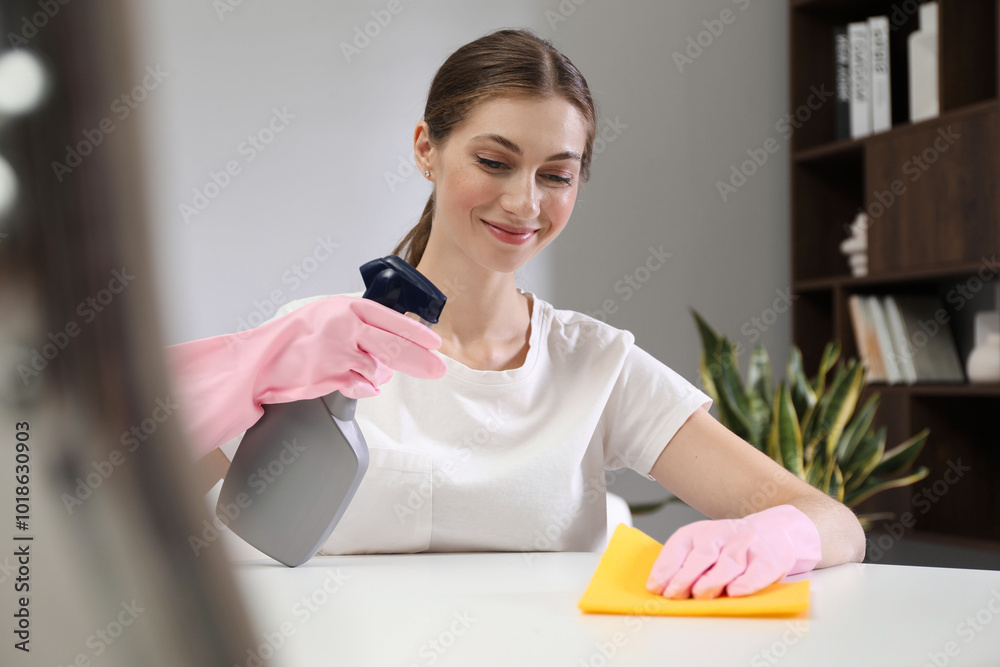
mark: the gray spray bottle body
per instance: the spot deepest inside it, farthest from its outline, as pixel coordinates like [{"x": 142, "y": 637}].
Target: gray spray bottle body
[{"x": 297, "y": 469}]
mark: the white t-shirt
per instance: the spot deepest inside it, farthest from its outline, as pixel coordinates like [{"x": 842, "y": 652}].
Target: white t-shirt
[{"x": 511, "y": 460}]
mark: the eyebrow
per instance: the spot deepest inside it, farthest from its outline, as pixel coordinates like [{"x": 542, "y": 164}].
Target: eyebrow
[{"x": 514, "y": 148}]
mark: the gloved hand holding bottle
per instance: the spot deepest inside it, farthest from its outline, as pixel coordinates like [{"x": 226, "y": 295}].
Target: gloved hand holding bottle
[
  {"x": 738, "y": 556},
  {"x": 338, "y": 343}
]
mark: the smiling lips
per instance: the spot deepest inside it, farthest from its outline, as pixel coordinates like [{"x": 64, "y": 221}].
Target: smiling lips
[{"x": 508, "y": 234}]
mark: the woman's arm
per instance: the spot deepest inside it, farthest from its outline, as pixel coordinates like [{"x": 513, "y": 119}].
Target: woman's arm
[{"x": 724, "y": 477}]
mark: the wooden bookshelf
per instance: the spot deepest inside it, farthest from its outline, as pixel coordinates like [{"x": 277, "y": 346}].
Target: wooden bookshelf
[{"x": 928, "y": 240}]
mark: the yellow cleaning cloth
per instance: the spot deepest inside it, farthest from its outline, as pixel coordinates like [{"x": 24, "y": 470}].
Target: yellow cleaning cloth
[{"x": 619, "y": 587}]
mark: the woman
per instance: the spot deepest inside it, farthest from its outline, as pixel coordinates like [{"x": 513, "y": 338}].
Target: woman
[{"x": 506, "y": 431}]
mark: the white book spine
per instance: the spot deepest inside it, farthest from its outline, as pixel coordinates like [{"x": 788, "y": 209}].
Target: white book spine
[
  {"x": 881, "y": 98},
  {"x": 923, "y": 52},
  {"x": 861, "y": 108}
]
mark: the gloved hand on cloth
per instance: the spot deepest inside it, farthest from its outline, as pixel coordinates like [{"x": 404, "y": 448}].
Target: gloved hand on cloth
[{"x": 738, "y": 556}]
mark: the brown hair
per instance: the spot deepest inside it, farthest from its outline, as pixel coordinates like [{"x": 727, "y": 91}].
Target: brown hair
[{"x": 501, "y": 64}]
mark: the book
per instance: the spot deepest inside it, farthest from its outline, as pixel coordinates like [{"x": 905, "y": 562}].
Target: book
[
  {"x": 890, "y": 355},
  {"x": 876, "y": 370},
  {"x": 883, "y": 343},
  {"x": 932, "y": 345},
  {"x": 842, "y": 82},
  {"x": 904, "y": 353},
  {"x": 861, "y": 108},
  {"x": 923, "y": 51},
  {"x": 855, "y": 309},
  {"x": 881, "y": 102}
]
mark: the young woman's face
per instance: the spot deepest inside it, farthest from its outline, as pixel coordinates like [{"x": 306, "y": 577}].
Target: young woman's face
[{"x": 507, "y": 179}]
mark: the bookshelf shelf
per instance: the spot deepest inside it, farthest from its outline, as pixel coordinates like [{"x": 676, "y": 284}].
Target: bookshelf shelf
[
  {"x": 892, "y": 278},
  {"x": 928, "y": 237},
  {"x": 835, "y": 150}
]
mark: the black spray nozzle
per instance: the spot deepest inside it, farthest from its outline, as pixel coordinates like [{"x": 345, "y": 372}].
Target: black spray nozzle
[{"x": 392, "y": 282}]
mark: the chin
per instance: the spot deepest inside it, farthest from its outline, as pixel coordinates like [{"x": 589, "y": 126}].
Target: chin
[{"x": 504, "y": 262}]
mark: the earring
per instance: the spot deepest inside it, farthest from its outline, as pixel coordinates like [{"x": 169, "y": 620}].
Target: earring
[{"x": 427, "y": 174}]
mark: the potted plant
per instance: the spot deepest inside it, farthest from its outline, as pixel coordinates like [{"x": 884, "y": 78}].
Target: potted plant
[{"x": 809, "y": 426}]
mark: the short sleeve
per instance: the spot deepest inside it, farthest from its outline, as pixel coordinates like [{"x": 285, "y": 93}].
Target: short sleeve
[{"x": 647, "y": 406}]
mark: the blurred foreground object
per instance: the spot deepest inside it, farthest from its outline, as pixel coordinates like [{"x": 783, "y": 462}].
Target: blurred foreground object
[{"x": 96, "y": 559}]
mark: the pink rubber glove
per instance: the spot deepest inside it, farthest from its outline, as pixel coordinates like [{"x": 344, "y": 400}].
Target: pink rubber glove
[
  {"x": 740, "y": 556},
  {"x": 338, "y": 343}
]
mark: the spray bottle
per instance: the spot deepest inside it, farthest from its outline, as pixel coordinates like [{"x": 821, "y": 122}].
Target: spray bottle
[{"x": 297, "y": 469}]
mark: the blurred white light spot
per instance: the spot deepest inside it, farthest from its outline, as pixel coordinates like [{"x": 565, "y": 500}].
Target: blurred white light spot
[
  {"x": 22, "y": 82},
  {"x": 8, "y": 188}
]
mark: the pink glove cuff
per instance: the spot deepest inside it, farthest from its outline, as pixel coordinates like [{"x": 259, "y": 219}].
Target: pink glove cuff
[
  {"x": 799, "y": 529},
  {"x": 215, "y": 403}
]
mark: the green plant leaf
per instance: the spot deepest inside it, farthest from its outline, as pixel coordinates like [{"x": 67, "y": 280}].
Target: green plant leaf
[
  {"x": 811, "y": 427},
  {"x": 866, "y": 457},
  {"x": 836, "y": 486},
  {"x": 786, "y": 434},
  {"x": 730, "y": 417},
  {"x": 749, "y": 418},
  {"x": 760, "y": 420},
  {"x": 815, "y": 419},
  {"x": 710, "y": 339},
  {"x": 803, "y": 396},
  {"x": 730, "y": 377},
  {"x": 710, "y": 346},
  {"x": 759, "y": 390},
  {"x": 815, "y": 474},
  {"x": 830, "y": 355},
  {"x": 710, "y": 368},
  {"x": 859, "y": 427},
  {"x": 706, "y": 378},
  {"x": 759, "y": 378},
  {"x": 809, "y": 450},
  {"x": 875, "y": 485},
  {"x": 773, "y": 448},
  {"x": 731, "y": 387},
  {"x": 901, "y": 457},
  {"x": 707, "y": 363},
  {"x": 843, "y": 400},
  {"x": 834, "y": 410}
]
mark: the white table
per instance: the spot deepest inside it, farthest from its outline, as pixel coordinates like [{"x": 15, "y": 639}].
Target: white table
[{"x": 518, "y": 610}]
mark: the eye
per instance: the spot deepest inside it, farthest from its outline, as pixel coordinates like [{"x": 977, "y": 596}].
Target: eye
[
  {"x": 492, "y": 164},
  {"x": 565, "y": 180}
]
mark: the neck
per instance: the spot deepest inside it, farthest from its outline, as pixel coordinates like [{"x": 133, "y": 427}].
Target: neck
[{"x": 485, "y": 323}]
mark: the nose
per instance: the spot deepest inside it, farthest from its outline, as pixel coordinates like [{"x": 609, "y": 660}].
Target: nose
[{"x": 522, "y": 198}]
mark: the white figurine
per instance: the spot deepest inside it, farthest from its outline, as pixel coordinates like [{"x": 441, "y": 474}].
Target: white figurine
[{"x": 855, "y": 247}]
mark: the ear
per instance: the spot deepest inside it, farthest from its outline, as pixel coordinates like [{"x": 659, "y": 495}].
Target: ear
[{"x": 423, "y": 152}]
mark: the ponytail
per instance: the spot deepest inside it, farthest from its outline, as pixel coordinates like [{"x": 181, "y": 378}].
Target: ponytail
[{"x": 415, "y": 241}]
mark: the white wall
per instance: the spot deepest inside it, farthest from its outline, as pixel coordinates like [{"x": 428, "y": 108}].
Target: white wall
[{"x": 323, "y": 176}]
